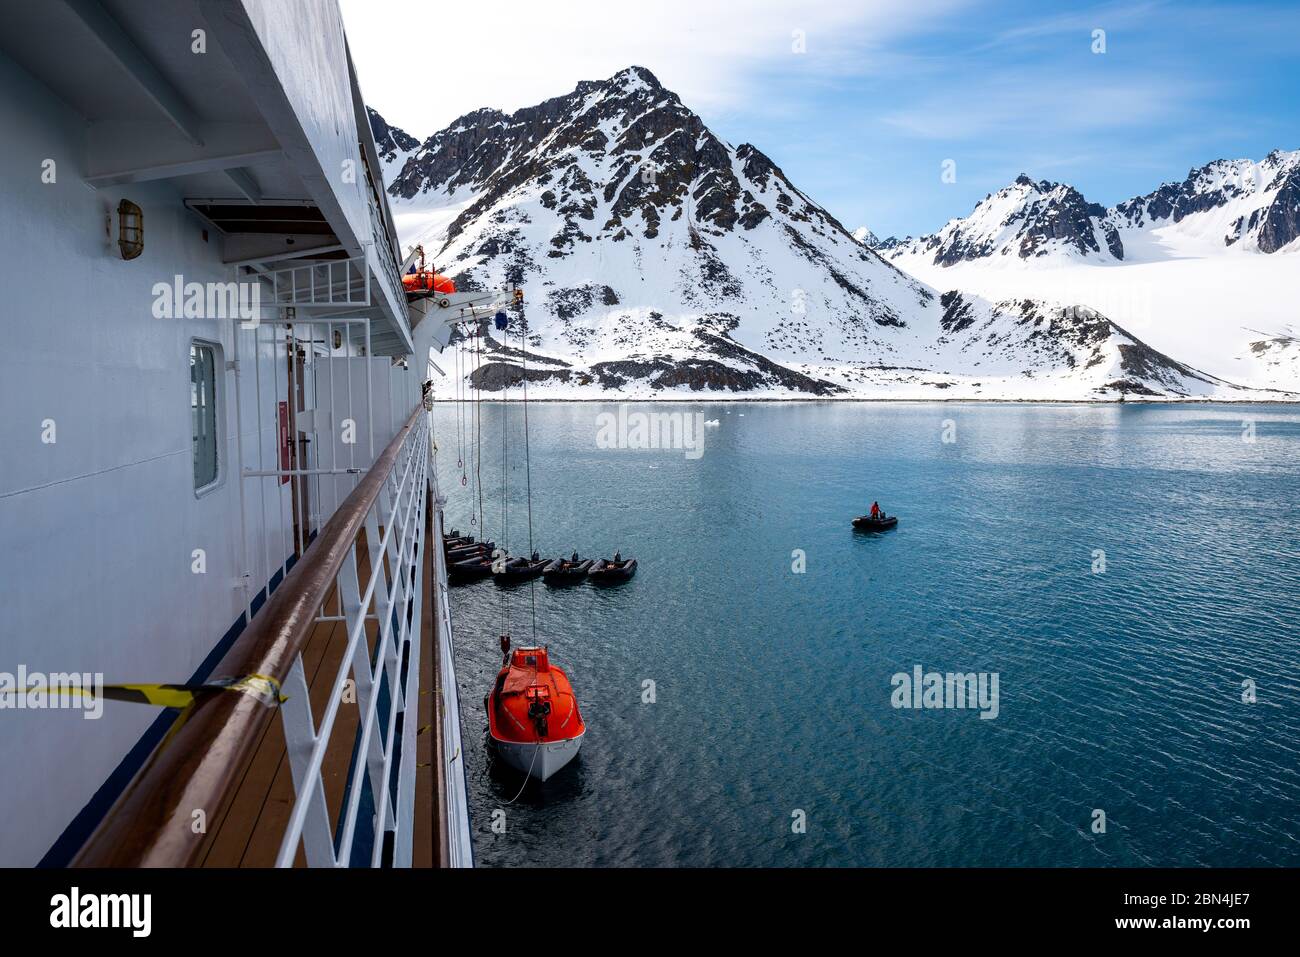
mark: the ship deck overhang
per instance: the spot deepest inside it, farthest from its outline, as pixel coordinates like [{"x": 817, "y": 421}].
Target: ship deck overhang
[{"x": 257, "y": 122}]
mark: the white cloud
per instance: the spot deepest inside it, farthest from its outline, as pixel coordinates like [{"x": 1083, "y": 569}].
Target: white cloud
[
  {"x": 422, "y": 65},
  {"x": 1010, "y": 105},
  {"x": 1081, "y": 22}
]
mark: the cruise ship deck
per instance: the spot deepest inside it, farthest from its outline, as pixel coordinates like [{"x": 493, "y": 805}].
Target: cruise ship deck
[
  {"x": 246, "y": 835},
  {"x": 233, "y": 486}
]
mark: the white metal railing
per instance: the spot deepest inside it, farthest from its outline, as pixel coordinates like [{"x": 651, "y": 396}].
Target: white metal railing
[
  {"x": 380, "y": 527},
  {"x": 392, "y": 600},
  {"x": 341, "y": 538},
  {"x": 311, "y": 365},
  {"x": 333, "y": 282},
  {"x": 460, "y": 850}
]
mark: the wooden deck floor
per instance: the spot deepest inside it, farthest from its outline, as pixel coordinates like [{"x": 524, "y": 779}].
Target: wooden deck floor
[{"x": 249, "y": 833}]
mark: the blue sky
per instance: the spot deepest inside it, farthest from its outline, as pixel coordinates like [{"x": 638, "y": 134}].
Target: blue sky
[
  {"x": 885, "y": 91},
  {"x": 1015, "y": 87}
]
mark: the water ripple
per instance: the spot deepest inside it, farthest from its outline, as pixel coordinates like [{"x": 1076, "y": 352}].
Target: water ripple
[{"x": 1119, "y": 692}]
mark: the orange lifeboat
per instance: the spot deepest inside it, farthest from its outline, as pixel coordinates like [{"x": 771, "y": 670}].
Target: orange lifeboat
[
  {"x": 426, "y": 280},
  {"x": 533, "y": 716}
]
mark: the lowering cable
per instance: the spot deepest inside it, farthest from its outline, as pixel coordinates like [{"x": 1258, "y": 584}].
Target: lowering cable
[
  {"x": 528, "y": 459},
  {"x": 505, "y": 484},
  {"x": 476, "y": 382},
  {"x": 458, "y": 396}
]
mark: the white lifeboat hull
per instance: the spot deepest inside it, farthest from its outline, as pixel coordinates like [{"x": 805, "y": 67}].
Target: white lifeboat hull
[{"x": 539, "y": 760}]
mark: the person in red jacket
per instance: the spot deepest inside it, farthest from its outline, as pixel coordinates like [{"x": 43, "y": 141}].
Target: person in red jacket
[{"x": 875, "y": 510}]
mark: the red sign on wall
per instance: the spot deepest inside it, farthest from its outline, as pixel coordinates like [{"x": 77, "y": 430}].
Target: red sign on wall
[{"x": 286, "y": 453}]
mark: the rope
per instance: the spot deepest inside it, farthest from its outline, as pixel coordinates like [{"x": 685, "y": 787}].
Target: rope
[
  {"x": 528, "y": 468},
  {"x": 529, "y": 774},
  {"x": 475, "y": 381},
  {"x": 460, "y": 419},
  {"x": 474, "y": 430},
  {"x": 505, "y": 482},
  {"x": 528, "y": 472},
  {"x": 464, "y": 406},
  {"x": 464, "y": 403},
  {"x": 455, "y": 397}
]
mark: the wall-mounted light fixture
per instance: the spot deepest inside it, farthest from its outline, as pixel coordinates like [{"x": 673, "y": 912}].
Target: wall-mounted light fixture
[{"x": 130, "y": 229}]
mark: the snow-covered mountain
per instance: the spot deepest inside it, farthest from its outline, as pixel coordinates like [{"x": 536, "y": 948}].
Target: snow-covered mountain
[
  {"x": 659, "y": 261},
  {"x": 1025, "y": 219},
  {"x": 869, "y": 239},
  {"x": 394, "y": 144},
  {"x": 1278, "y": 354},
  {"x": 1239, "y": 203},
  {"x": 1207, "y": 269},
  {"x": 1228, "y": 203}
]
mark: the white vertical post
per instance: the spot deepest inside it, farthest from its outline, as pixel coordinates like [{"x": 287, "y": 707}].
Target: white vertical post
[
  {"x": 291, "y": 399},
  {"x": 300, "y": 739},
  {"x": 352, "y": 411},
  {"x": 261, "y": 482},
  {"x": 364, "y": 678},
  {"x": 243, "y": 509},
  {"x": 370, "y": 397}
]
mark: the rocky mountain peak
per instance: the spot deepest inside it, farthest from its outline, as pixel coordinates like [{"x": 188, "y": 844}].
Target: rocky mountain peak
[
  {"x": 624, "y": 146},
  {"x": 658, "y": 259},
  {"x": 1241, "y": 201},
  {"x": 629, "y": 81},
  {"x": 390, "y": 141},
  {"x": 869, "y": 239},
  {"x": 1026, "y": 219},
  {"x": 1265, "y": 197}
]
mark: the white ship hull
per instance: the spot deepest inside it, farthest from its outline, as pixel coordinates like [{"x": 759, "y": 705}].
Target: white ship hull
[{"x": 539, "y": 760}]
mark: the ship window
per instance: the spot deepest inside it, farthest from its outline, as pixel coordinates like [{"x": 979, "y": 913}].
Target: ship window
[{"x": 203, "y": 412}]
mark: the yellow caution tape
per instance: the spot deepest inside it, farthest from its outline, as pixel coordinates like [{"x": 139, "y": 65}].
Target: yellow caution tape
[{"x": 265, "y": 688}]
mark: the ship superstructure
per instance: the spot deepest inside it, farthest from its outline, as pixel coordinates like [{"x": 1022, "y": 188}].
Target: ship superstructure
[{"x": 219, "y": 468}]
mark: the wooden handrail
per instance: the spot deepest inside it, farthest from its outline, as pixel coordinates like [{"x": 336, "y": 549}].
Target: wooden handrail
[{"x": 196, "y": 766}]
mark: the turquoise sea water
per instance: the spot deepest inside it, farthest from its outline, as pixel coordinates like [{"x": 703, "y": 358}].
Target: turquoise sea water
[{"x": 1119, "y": 691}]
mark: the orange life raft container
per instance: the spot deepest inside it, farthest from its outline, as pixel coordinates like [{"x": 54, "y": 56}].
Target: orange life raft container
[
  {"x": 533, "y": 715},
  {"x": 425, "y": 280}
]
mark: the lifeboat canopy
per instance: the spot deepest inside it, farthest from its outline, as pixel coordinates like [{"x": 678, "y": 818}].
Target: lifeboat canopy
[
  {"x": 533, "y": 714},
  {"x": 426, "y": 280}
]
